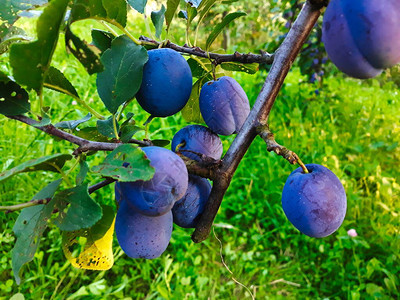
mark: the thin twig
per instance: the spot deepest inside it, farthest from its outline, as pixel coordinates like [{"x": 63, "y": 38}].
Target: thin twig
[
  {"x": 272, "y": 146},
  {"x": 244, "y": 58}
]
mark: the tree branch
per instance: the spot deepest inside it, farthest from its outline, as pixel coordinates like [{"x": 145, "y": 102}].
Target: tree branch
[
  {"x": 206, "y": 168},
  {"x": 244, "y": 58},
  {"x": 259, "y": 114},
  {"x": 272, "y": 146}
]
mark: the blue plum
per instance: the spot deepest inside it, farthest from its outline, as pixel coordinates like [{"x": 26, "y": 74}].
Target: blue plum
[
  {"x": 158, "y": 195},
  {"x": 142, "y": 236},
  {"x": 166, "y": 84},
  {"x": 224, "y": 105},
  {"x": 187, "y": 210},
  {"x": 362, "y": 37},
  {"x": 118, "y": 196},
  {"x": 199, "y": 139},
  {"x": 315, "y": 203}
]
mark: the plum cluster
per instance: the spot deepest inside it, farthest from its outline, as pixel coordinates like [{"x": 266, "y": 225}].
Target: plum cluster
[
  {"x": 148, "y": 208},
  {"x": 362, "y": 37}
]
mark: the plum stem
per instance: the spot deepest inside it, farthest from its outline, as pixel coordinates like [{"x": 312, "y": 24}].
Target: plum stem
[
  {"x": 303, "y": 166},
  {"x": 272, "y": 146}
]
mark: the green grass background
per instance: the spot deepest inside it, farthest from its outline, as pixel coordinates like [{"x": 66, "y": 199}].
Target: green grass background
[{"x": 352, "y": 127}]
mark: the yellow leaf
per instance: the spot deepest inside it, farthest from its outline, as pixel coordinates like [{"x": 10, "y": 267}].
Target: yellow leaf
[{"x": 91, "y": 249}]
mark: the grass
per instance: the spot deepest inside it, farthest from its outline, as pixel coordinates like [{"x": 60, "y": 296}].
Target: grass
[{"x": 352, "y": 127}]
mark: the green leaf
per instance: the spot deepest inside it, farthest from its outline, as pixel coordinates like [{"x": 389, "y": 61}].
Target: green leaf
[
  {"x": 45, "y": 119},
  {"x": 56, "y": 81},
  {"x": 123, "y": 73},
  {"x": 191, "y": 12},
  {"x": 29, "y": 227},
  {"x": 193, "y": 3},
  {"x": 18, "y": 296},
  {"x": 246, "y": 68},
  {"x": 172, "y": 6},
  {"x": 14, "y": 100},
  {"x": 106, "y": 127},
  {"x": 112, "y": 11},
  {"x": 84, "y": 169},
  {"x": 161, "y": 143},
  {"x": 82, "y": 212},
  {"x": 183, "y": 14},
  {"x": 191, "y": 111},
  {"x": 92, "y": 134},
  {"x": 128, "y": 131},
  {"x": 30, "y": 61},
  {"x": 200, "y": 69},
  {"x": 138, "y": 5},
  {"x": 50, "y": 163},
  {"x": 102, "y": 39},
  {"x": 157, "y": 17},
  {"x": 9, "y": 9},
  {"x": 9, "y": 36},
  {"x": 115, "y": 165},
  {"x": 88, "y": 55},
  {"x": 72, "y": 124},
  {"x": 217, "y": 29}
]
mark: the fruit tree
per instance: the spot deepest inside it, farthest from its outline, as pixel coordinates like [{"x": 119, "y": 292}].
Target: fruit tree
[{"x": 160, "y": 182}]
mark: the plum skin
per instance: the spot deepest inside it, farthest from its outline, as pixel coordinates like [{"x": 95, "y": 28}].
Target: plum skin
[
  {"x": 315, "y": 203},
  {"x": 142, "y": 236},
  {"x": 362, "y": 37},
  {"x": 166, "y": 84},
  {"x": 224, "y": 105},
  {"x": 199, "y": 139},
  {"x": 158, "y": 195},
  {"x": 188, "y": 209}
]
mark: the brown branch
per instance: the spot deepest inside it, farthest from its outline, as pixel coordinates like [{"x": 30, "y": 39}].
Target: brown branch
[
  {"x": 205, "y": 168},
  {"x": 100, "y": 184},
  {"x": 272, "y": 146},
  {"x": 259, "y": 114},
  {"x": 244, "y": 58}
]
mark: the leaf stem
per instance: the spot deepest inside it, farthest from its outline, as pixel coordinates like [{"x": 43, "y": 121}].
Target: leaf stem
[
  {"x": 123, "y": 29},
  {"x": 15, "y": 207},
  {"x": 115, "y": 127}
]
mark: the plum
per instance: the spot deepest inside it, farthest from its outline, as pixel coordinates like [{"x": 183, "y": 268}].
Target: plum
[
  {"x": 142, "y": 236},
  {"x": 315, "y": 203},
  {"x": 166, "y": 84},
  {"x": 158, "y": 195},
  {"x": 187, "y": 210},
  {"x": 224, "y": 105},
  {"x": 362, "y": 37},
  {"x": 199, "y": 139}
]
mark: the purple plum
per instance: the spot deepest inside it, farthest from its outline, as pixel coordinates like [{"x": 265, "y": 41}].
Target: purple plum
[
  {"x": 315, "y": 203},
  {"x": 198, "y": 139},
  {"x": 142, "y": 236},
  {"x": 362, "y": 37},
  {"x": 224, "y": 105},
  {"x": 158, "y": 195},
  {"x": 187, "y": 210},
  {"x": 166, "y": 84}
]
